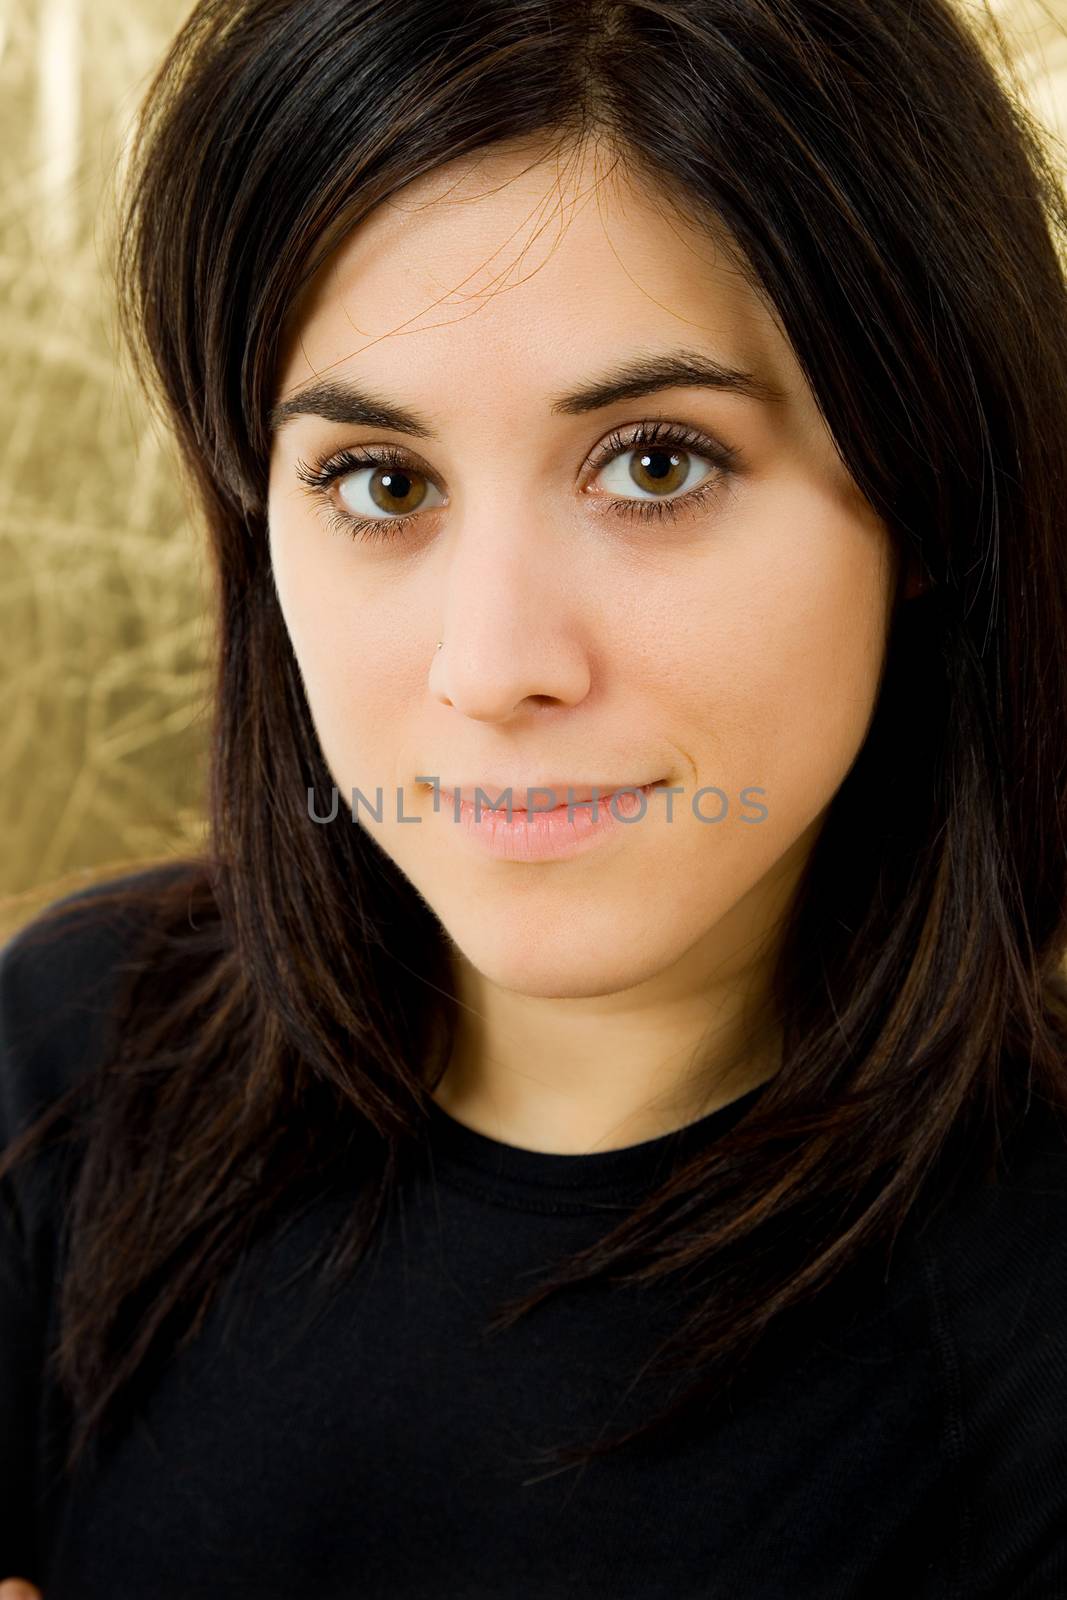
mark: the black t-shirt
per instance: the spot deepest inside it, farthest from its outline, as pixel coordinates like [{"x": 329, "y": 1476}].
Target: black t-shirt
[{"x": 913, "y": 1448}]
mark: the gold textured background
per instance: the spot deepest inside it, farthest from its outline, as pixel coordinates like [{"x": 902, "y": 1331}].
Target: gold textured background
[{"x": 105, "y": 620}]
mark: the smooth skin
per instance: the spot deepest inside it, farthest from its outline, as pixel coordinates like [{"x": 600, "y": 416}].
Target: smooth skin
[{"x": 741, "y": 644}]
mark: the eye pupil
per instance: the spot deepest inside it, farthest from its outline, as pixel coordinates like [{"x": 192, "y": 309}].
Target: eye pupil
[{"x": 662, "y": 466}]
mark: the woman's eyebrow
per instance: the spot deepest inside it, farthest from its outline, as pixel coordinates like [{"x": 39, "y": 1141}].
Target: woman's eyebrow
[{"x": 339, "y": 400}]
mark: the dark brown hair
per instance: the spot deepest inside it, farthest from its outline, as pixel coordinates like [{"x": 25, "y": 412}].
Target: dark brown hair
[{"x": 895, "y": 205}]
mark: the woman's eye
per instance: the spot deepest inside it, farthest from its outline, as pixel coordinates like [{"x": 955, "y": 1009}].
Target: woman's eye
[
  {"x": 391, "y": 490},
  {"x": 657, "y": 471}
]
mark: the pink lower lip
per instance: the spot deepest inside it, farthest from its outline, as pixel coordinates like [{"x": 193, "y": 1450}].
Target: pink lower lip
[{"x": 546, "y": 835}]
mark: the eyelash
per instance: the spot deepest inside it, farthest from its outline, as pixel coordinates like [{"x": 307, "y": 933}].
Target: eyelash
[{"x": 646, "y": 435}]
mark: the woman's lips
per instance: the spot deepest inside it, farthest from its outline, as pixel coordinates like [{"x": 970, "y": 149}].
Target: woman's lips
[{"x": 551, "y": 834}]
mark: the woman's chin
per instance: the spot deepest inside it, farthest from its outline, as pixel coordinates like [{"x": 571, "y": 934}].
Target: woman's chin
[{"x": 563, "y": 965}]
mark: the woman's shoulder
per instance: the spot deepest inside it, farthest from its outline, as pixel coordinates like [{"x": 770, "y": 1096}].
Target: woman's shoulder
[{"x": 59, "y": 975}]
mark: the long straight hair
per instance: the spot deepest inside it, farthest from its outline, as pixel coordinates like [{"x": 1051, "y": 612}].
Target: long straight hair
[{"x": 289, "y": 1005}]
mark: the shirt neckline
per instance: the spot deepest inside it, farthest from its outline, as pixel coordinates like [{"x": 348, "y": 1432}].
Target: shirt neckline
[{"x": 541, "y": 1176}]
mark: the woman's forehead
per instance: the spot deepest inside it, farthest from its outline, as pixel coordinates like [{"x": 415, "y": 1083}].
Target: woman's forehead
[{"x": 543, "y": 270}]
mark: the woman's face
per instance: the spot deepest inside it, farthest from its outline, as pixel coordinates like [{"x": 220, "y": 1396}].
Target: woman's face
[{"x": 735, "y": 647}]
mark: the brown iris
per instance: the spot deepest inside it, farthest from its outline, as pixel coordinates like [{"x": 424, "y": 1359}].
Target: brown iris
[
  {"x": 667, "y": 469},
  {"x": 396, "y": 489}
]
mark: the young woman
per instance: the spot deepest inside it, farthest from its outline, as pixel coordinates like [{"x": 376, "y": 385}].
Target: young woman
[{"x": 658, "y": 1193}]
